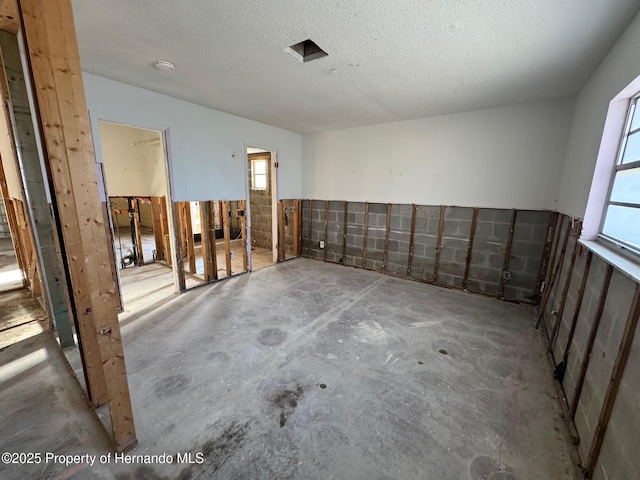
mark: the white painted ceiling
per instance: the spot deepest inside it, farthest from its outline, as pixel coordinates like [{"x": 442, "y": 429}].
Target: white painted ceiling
[{"x": 388, "y": 59}]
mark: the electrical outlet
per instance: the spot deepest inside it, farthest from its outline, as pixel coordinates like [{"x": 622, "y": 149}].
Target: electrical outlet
[
  {"x": 506, "y": 275},
  {"x": 321, "y": 244}
]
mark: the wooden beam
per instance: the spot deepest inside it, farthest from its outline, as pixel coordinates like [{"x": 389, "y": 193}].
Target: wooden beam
[
  {"x": 281, "y": 232},
  {"x": 242, "y": 205},
  {"x": 554, "y": 275},
  {"x": 414, "y": 210},
  {"x": 176, "y": 259},
  {"x": 387, "y": 228},
  {"x": 614, "y": 383},
  {"x": 576, "y": 313},
  {"x": 345, "y": 231},
  {"x": 472, "y": 234},
  {"x": 208, "y": 241},
  {"x": 297, "y": 231},
  {"x": 563, "y": 302},
  {"x": 310, "y": 226},
  {"x": 591, "y": 340},
  {"x": 546, "y": 251},
  {"x": 52, "y": 51},
  {"x": 158, "y": 233},
  {"x": 507, "y": 253},
  {"x": 326, "y": 229},
  {"x": 436, "y": 261},
  {"x": 9, "y": 17},
  {"x": 365, "y": 235},
  {"x": 227, "y": 236},
  {"x": 135, "y": 206}
]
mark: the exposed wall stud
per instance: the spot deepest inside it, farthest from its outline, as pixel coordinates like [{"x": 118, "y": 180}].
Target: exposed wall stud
[
  {"x": 226, "y": 212},
  {"x": 365, "y": 235},
  {"x": 412, "y": 235},
  {"x": 326, "y": 229},
  {"x": 297, "y": 232},
  {"x": 591, "y": 341},
  {"x": 345, "y": 221},
  {"x": 208, "y": 241},
  {"x": 436, "y": 262},
  {"x": 472, "y": 234},
  {"x": 614, "y": 384},
  {"x": 507, "y": 253},
  {"x": 310, "y": 224},
  {"x": 385, "y": 254},
  {"x": 546, "y": 253},
  {"x": 242, "y": 205},
  {"x": 563, "y": 302},
  {"x": 135, "y": 211}
]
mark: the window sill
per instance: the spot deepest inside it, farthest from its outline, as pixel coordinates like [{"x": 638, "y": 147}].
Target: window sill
[{"x": 619, "y": 262}]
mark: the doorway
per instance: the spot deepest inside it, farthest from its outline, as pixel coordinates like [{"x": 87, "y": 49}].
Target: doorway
[{"x": 261, "y": 182}]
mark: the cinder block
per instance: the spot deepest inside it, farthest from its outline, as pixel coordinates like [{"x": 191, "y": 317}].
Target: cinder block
[
  {"x": 378, "y": 208},
  {"x": 533, "y": 217}
]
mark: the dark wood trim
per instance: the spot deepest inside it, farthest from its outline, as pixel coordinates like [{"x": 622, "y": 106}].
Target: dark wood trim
[
  {"x": 472, "y": 234},
  {"x": 326, "y": 230},
  {"x": 385, "y": 253},
  {"x": 414, "y": 210},
  {"x": 436, "y": 261},
  {"x": 345, "y": 222},
  {"x": 507, "y": 253},
  {"x": 365, "y": 235}
]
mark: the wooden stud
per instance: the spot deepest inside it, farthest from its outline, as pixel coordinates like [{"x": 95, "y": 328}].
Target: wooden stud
[
  {"x": 281, "y": 232},
  {"x": 208, "y": 241},
  {"x": 591, "y": 340},
  {"x": 563, "y": 302},
  {"x": 507, "y": 253},
  {"x": 345, "y": 230},
  {"x": 156, "y": 215},
  {"x": 472, "y": 234},
  {"x": 243, "y": 231},
  {"x": 135, "y": 206},
  {"x": 576, "y": 313},
  {"x": 191, "y": 247},
  {"x": 436, "y": 261},
  {"x": 177, "y": 259},
  {"x": 414, "y": 210},
  {"x": 614, "y": 384},
  {"x": 310, "y": 226},
  {"x": 52, "y": 50},
  {"x": 326, "y": 229},
  {"x": 546, "y": 252},
  {"x": 387, "y": 229},
  {"x": 226, "y": 212},
  {"x": 365, "y": 235},
  {"x": 297, "y": 231},
  {"x": 554, "y": 275}
]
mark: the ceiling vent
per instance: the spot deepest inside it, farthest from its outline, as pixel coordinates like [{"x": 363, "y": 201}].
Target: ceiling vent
[{"x": 306, "y": 51}]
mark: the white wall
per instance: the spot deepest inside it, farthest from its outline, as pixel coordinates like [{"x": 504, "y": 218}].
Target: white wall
[
  {"x": 132, "y": 170},
  {"x": 619, "y": 68},
  {"x": 505, "y": 157},
  {"x": 207, "y": 148}
]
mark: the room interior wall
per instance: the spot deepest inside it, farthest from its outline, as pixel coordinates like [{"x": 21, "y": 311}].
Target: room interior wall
[
  {"x": 207, "y": 148},
  {"x": 619, "y": 68},
  {"x": 504, "y": 157}
]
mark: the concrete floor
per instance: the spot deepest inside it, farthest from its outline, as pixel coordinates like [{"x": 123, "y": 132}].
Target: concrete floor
[{"x": 310, "y": 370}]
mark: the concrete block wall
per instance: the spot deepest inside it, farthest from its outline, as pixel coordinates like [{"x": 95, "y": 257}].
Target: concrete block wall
[
  {"x": 486, "y": 261},
  {"x": 4, "y": 223},
  {"x": 618, "y": 459},
  {"x": 261, "y": 218}
]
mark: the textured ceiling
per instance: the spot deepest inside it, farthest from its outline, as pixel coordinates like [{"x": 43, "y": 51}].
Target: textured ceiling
[{"x": 388, "y": 59}]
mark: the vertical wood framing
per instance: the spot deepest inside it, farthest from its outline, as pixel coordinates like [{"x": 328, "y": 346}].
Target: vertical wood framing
[
  {"x": 281, "y": 232},
  {"x": 614, "y": 383},
  {"x": 576, "y": 313},
  {"x": 326, "y": 229},
  {"x": 310, "y": 226},
  {"x": 52, "y": 50},
  {"x": 187, "y": 233},
  {"x": 387, "y": 228},
  {"x": 591, "y": 341},
  {"x": 176, "y": 258},
  {"x": 472, "y": 234},
  {"x": 224, "y": 209},
  {"x": 507, "y": 253},
  {"x": 436, "y": 261},
  {"x": 243, "y": 232},
  {"x": 365, "y": 235},
  {"x": 345, "y": 230},
  {"x": 208, "y": 241},
  {"x": 297, "y": 231},
  {"x": 414, "y": 210},
  {"x": 554, "y": 275},
  {"x": 563, "y": 302},
  {"x": 158, "y": 233},
  {"x": 546, "y": 252},
  {"x": 135, "y": 206}
]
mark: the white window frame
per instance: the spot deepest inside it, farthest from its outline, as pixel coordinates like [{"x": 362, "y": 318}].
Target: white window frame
[
  {"x": 619, "y": 244},
  {"x": 253, "y": 185}
]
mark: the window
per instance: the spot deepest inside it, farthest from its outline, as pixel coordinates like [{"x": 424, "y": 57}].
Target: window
[
  {"x": 621, "y": 219},
  {"x": 259, "y": 174}
]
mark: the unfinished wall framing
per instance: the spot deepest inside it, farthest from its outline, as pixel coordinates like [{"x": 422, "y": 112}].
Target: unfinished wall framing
[
  {"x": 495, "y": 252},
  {"x": 589, "y": 315}
]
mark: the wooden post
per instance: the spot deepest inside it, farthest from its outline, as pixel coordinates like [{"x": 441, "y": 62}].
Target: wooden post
[
  {"x": 345, "y": 221},
  {"x": 576, "y": 313},
  {"x": 544, "y": 258},
  {"x": 414, "y": 210},
  {"x": 242, "y": 204},
  {"x": 297, "y": 231},
  {"x": 55, "y": 66},
  {"x": 227, "y": 235},
  {"x": 310, "y": 226},
  {"x": 281, "y": 232},
  {"x": 507, "y": 253},
  {"x": 365, "y": 235},
  {"x": 208, "y": 241},
  {"x": 436, "y": 261},
  {"x": 135, "y": 205},
  {"x": 563, "y": 302},
  {"x": 158, "y": 233},
  {"x": 614, "y": 383},
  {"x": 385, "y": 253},
  {"x": 326, "y": 229},
  {"x": 591, "y": 340},
  {"x": 472, "y": 234},
  {"x": 554, "y": 275},
  {"x": 177, "y": 257}
]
